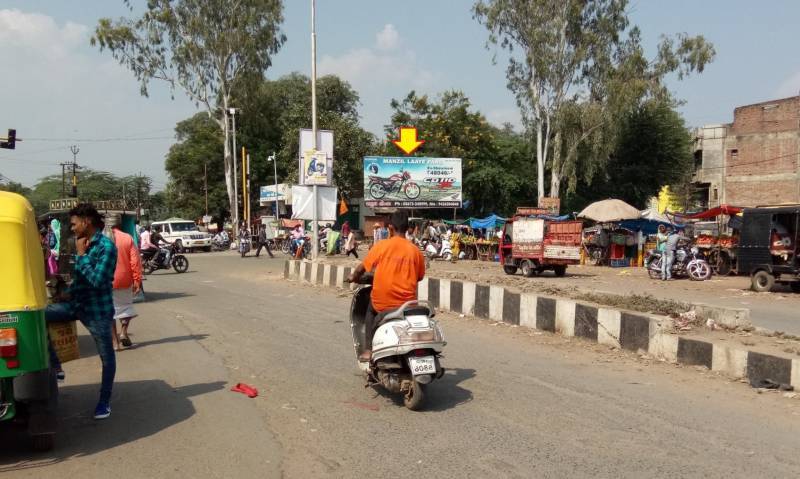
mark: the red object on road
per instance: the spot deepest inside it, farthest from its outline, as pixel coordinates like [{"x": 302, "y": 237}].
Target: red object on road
[{"x": 245, "y": 389}]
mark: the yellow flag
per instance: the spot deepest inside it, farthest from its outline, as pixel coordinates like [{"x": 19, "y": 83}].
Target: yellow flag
[{"x": 343, "y": 209}]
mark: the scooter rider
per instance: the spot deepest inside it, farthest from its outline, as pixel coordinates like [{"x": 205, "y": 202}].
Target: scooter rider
[{"x": 398, "y": 266}]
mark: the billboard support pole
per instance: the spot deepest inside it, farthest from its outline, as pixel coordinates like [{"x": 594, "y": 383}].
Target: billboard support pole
[{"x": 315, "y": 198}]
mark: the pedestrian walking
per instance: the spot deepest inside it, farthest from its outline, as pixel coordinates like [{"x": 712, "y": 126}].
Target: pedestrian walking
[
  {"x": 263, "y": 242},
  {"x": 90, "y": 296},
  {"x": 127, "y": 281},
  {"x": 350, "y": 245}
]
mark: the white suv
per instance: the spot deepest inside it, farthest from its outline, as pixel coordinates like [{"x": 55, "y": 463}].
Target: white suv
[{"x": 183, "y": 233}]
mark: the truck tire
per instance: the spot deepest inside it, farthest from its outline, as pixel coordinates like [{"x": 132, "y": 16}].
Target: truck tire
[
  {"x": 510, "y": 269},
  {"x": 529, "y": 269},
  {"x": 762, "y": 281},
  {"x": 560, "y": 270}
]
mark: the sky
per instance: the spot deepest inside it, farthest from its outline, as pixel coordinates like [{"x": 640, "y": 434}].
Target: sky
[{"x": 58, "y": 91}]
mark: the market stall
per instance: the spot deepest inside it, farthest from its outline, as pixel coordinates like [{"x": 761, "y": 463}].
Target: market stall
[{"x": 716, "y": 232}]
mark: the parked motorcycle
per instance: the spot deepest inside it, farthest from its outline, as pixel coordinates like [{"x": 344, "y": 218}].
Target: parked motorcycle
[
  {"x": 165, "y": 258},
  {"x": 406, "y": 346},
  {"x": 220, "y": 245},
  {"x": 433, "y": 250},
  {"x": 689, "y": 262},
  {"x": 398, "y": 183}
]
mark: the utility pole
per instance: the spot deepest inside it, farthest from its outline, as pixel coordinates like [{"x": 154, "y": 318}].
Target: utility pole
[
  {"x": 64, "y": 179},
  {"x": 275, "y": 165},
  {"x": 139, "y": 196},
  {"x": 74, "y": 149},
  {"x": 244, "y": 190},
  {"x": 249, "y": 213},
  {"x": 205, "y": 183},
  {"x": 232, "y": 112},
  {"x": 315, "y": 196}
]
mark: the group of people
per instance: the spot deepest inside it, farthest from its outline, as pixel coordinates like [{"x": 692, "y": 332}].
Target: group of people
[{"x": 107, "y": 275}]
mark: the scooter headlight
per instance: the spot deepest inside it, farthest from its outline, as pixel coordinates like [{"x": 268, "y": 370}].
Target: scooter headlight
[{"x": 695, "y": 250}]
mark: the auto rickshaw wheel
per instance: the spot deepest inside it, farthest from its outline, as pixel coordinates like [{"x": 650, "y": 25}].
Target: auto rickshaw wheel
[
  {"x": 795, "y": 285},
  {"x": 762, "y": 281}
]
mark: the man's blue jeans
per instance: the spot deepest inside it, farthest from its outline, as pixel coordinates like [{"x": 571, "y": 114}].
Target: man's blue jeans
[
  {"x": 666, "y": 264},
  {"x": 101, "y": 333}
]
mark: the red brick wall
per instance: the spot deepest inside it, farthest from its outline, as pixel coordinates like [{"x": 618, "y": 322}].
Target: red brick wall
[
  {"x": 774, "y": 116},
  {"x": 762, "y": 155},
  {"x": 754, "y": 193}
]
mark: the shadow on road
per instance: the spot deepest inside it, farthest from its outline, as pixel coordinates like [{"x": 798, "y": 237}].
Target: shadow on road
[
  {"x": 173, "y": 339},
  {"x": 151, "y": 296},
  {"x": 443, "y": 394},
  {"x": 133, "y": 418}
]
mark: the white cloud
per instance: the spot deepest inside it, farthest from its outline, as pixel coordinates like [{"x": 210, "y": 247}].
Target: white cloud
[
  {"x": 501, "y": 116},
  {"x": 388, "y": 38},
  {"x": 789, "y": 87},
  {"x": 379, "y": 73},
  {"x": 61, "y": 87}
]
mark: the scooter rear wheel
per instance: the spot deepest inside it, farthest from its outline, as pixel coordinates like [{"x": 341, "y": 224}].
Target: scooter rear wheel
[{"x": 414, "y": 397}]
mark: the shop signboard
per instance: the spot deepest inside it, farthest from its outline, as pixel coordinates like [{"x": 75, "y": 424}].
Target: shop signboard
[
  {"x": 551, "y": 204},
  {"x": 412, "y": 182}
]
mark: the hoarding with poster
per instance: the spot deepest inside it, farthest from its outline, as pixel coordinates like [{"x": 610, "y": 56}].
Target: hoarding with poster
[{"x": 412, "y": 182}]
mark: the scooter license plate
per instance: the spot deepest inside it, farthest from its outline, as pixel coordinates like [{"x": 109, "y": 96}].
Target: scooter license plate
[{"x": 422, "y": 365}]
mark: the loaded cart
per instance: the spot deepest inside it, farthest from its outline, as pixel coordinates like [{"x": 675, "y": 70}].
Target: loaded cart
[
  {"x": 28, "y": 385},
  {"x": 533, "y": 245}
]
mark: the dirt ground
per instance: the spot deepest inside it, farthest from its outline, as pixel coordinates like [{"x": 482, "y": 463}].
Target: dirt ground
[{"x": 631, "y": 288}]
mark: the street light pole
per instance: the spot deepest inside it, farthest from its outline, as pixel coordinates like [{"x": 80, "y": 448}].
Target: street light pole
[
  {"x": 232, "y": 112},
  {"x": 315, "y": 196},
  {"x": 275, "y": 166}
]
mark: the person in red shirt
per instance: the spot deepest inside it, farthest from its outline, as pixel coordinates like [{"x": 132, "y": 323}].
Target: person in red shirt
[
  {"x": 398, "y": 265},
  {"x": 127, "y": 281}
]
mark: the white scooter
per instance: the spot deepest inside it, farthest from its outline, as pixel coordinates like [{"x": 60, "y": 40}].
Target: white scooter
[
  {"x": 406, "y": 346},
  {"x": 445, "y": 251}
]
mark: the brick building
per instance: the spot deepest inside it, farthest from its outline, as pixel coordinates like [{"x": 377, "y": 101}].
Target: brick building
[{"x": 753, "y": 161}]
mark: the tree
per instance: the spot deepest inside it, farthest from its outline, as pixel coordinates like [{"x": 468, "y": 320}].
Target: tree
[
  {"x": 276, "y": 111},
  {"x": 495, "y": 169},
  {"x": 565, "y": 51},
  {"x": 198, "y": 152},
  {"x": 204, "y": 47}
]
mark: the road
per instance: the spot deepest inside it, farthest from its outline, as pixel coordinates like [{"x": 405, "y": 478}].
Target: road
[{"x": 512, "y": 404}]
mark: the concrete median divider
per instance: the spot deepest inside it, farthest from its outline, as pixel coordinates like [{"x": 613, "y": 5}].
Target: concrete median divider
[{"x": 623, "y": 329}]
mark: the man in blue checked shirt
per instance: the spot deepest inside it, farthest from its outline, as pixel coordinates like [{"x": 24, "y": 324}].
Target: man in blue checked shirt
[{"x": 90, "y": 294}]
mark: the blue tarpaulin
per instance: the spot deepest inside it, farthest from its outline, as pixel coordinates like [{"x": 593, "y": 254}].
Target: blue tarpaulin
[
  {"x": 647, "y": 227},
  {"x": 490, "y": 222}
]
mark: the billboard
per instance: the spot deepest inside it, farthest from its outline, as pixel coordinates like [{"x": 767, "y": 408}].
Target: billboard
[{"x": 412, "y": 182}]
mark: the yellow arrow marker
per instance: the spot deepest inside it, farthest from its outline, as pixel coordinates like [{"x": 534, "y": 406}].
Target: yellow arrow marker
[{"x": 408, "y": 140}]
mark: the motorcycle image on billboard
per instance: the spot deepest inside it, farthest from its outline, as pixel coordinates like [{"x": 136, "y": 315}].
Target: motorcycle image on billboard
[{"x": 412, "y": 182}]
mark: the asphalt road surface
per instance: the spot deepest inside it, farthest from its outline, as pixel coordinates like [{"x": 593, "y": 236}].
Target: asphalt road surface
[{"x": 512, "y": 404}]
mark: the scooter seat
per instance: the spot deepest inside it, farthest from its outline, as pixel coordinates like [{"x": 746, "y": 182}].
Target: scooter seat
[{"x": 410, "y": 308}]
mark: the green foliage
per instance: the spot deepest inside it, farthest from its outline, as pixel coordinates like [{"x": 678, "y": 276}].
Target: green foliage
[
  {"x": 497, "y": 172},
  {"x": 270, "y": 123},
  {"x": 205, "y": 47},
  {"x": 199, "y": 146},
  {"x": 653, "y": 149}
]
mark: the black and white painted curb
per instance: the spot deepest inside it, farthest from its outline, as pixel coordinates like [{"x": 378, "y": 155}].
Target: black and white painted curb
[{"x": 609, "y": 326}]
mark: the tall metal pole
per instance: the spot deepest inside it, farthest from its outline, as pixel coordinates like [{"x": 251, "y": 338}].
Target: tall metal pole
[
  {"x": 275, "y": 165},
  {"x": 205, "y": 183},
  {"x": 245, "y": 216},
  {"x": 232, "y": 111},
  {"x": 315, "y": 197},
  {"x": 74, "y": 149}
]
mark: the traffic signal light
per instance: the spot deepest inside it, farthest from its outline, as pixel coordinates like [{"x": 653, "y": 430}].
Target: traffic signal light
[{"x": 11, "y": 141}]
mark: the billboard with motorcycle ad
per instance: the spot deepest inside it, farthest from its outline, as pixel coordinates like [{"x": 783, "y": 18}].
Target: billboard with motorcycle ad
[{"x": 412, "y": 182}]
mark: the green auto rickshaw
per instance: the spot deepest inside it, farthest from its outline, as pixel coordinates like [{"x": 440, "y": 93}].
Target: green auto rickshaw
[{"x": 28, "y": 385}]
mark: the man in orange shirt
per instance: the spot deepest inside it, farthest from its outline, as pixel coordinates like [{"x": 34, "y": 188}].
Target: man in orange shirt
[
  {"x": 398, "y": 266},
  {"x": 127, "y": 281}
]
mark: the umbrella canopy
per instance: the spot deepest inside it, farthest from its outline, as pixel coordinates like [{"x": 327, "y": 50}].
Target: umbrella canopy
[{"x": 607, "y": 211}]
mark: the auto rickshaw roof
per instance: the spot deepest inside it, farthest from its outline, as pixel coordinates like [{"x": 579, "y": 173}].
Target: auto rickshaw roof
[{"x": 22, "y": 279}]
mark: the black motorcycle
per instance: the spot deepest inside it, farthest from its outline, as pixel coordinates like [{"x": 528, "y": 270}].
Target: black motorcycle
[
  {"x": 165, "y": 258},
  {"x": 689, "y": 262}
]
